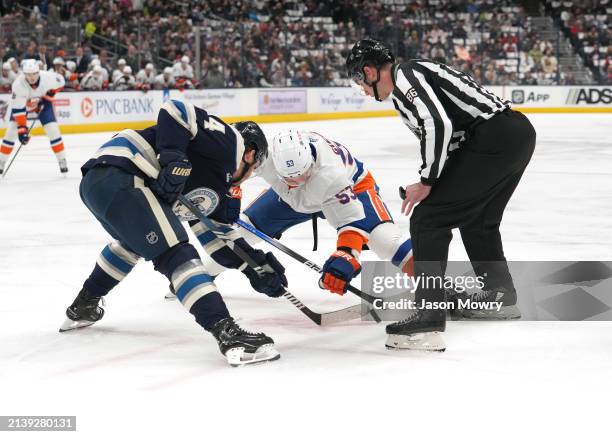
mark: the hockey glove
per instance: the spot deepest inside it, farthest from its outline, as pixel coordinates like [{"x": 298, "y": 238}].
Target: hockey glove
[
  {"x": 24, "y": 135},
  {"x": 175, "y": 170},
  {"x": 338, "y": 271},
  {"x": 271, "y": 283}
]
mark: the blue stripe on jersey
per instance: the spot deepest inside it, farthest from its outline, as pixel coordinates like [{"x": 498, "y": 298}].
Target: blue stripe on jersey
[
  {"x": 8, "y": 143},
  {"x": 121, "y": 142},
  {"x": 57, "y": 140},
  {"x": 206, "y": 237},
  {"x": 115, "y": 261},
  {"x": 18, "y": 110},
  {"x": 401, "y": 252},
  {"x": 192, "y": 283},
  {"x": 359, "y": 171},
  {"x": 181, "y": 107}
]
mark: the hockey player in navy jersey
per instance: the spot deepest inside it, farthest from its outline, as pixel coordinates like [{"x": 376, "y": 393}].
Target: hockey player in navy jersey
[{"x": 131, "y": 184}]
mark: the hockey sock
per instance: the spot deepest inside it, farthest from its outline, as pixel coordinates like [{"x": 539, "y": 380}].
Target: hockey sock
[
  {"x": 113, "y": 264},
  {"x": 403, "y": 254},
  {"x": 6, "y": 149},
  {"x": 57, "y": 146},
  {"x": 194, "y": 287}
]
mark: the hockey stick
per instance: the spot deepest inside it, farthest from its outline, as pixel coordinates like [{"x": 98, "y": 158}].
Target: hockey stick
[
  {"x": 18, "y": 150},
  {"x": 321, "y": 319},
  {"x": 293, "y": 254}
]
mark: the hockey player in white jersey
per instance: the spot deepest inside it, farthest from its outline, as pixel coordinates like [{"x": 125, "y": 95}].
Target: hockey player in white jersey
[
  {"x": 312, "y": 175},
  {"x": 33, "y": 93}
]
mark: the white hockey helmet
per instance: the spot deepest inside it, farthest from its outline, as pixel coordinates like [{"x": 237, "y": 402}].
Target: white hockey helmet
[
  {"x": 292, "y": 157},
  {"x": 95, "y": 63},
  {"x": 168, "y": 70},
  {"x": 185, "y": 59},
  {"x": 58, "y": 61},
  {"x": 30, "y": 66},
  {"x": 6, "y": 65},
  {"x": 121, "y": 61},
  {"x": 71, "y": 66},
  {"x": 127, "y": 70},
  {"x": 149, "y": 67}
]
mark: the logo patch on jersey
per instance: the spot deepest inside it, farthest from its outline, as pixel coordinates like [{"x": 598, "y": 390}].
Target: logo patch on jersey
[
  {"x": 152, "y": 237},
  {"x": 235, "y": 192},
  {"x": 206, "y": 199},
  {"x": 411, "y": 94}
]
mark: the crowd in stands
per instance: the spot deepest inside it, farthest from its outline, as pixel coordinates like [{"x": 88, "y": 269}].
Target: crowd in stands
[
  {"x": 146, "y": 44},
  {"x": 588, "y": 24}
]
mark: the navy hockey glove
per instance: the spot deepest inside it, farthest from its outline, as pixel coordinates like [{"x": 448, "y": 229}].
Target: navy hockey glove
[
  {"x": 271, "y": 283},
  {"x": 24, "y": 135},
  {"x": 175, "y": 170},
  {"x": 338, "y": 271}
]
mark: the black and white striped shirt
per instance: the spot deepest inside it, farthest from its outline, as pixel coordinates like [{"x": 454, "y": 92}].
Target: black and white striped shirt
[{"x": 439, "y": 104}]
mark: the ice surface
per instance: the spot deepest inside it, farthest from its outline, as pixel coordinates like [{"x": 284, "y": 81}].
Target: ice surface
[{"x": 148, "y": 369}]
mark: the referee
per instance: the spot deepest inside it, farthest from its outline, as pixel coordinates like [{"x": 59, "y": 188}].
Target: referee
[{"x": 474, "y": 150}]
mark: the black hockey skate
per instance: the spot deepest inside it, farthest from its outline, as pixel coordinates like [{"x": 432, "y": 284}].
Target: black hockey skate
[
  {"x": 495, "y": 304},
  {"x": 63, "y": 165},
  {"x": 241, "y": 347},
  {"x": 419, "y": 331},
  {"x": 83, "y": 312}
]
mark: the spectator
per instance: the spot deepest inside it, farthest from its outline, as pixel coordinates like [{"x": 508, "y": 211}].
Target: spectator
[
  {"x": 81, "y": 60},
  {"x": 126, "y": 81},
  {"x": 132, "y": 58},
  {"x": 44, "y": 56},
  {"x": 165, "y": 80},
  {"x": 549, "y": 62},
  {"x": 104, "y": 61},
  {"x": 212, "y": 74}
]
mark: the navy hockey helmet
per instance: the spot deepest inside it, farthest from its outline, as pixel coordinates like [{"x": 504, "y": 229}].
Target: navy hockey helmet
[{"x": 254, "y": 138}]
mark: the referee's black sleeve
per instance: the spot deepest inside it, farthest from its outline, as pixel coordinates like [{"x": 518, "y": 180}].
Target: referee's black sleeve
[{"x": 434, "y": 125}]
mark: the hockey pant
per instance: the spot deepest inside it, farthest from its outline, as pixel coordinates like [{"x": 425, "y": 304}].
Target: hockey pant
[{"x": 145, "y": 227}]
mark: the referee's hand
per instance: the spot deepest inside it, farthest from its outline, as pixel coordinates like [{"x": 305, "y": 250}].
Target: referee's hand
[{"x": 414, "y": 193}]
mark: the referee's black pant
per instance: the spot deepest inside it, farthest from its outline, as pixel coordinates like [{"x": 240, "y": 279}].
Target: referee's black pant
[{"x": 471, "y": 194}]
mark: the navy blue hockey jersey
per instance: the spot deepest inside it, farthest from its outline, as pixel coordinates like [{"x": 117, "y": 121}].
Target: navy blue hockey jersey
[{"x": 213, "y": 147}]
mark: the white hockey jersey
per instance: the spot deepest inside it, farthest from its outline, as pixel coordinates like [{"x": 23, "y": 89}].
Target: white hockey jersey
[
  {"x": 335, "y": 179},
  {"x": 26, "y": 98}
]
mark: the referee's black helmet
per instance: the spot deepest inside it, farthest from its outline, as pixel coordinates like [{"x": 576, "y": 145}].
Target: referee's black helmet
[{"x": 367, "y": 51}]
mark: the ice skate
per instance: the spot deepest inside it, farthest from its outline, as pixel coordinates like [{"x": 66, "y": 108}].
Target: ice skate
[
  {"x": 63, "y": 165},
  {"x": 83, "y": 312},
  {"x": 419, "y": 331},
  {"x": 241, "y": 347},
  {"x": 494, "y": 304},
  {"x": 171, "y": 294}
]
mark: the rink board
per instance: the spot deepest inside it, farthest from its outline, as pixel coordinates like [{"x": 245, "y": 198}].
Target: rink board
[{"x": 81, "y": 112}]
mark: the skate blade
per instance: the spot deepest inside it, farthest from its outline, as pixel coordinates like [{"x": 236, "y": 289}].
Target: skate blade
[
  {"x": 511, "y": 312},
  {"x": 69, "y": 325},
  {"x": 238, "y": 357},
  {"x": 170, "y": 296},
  {"x": 424, "y": 341}
]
